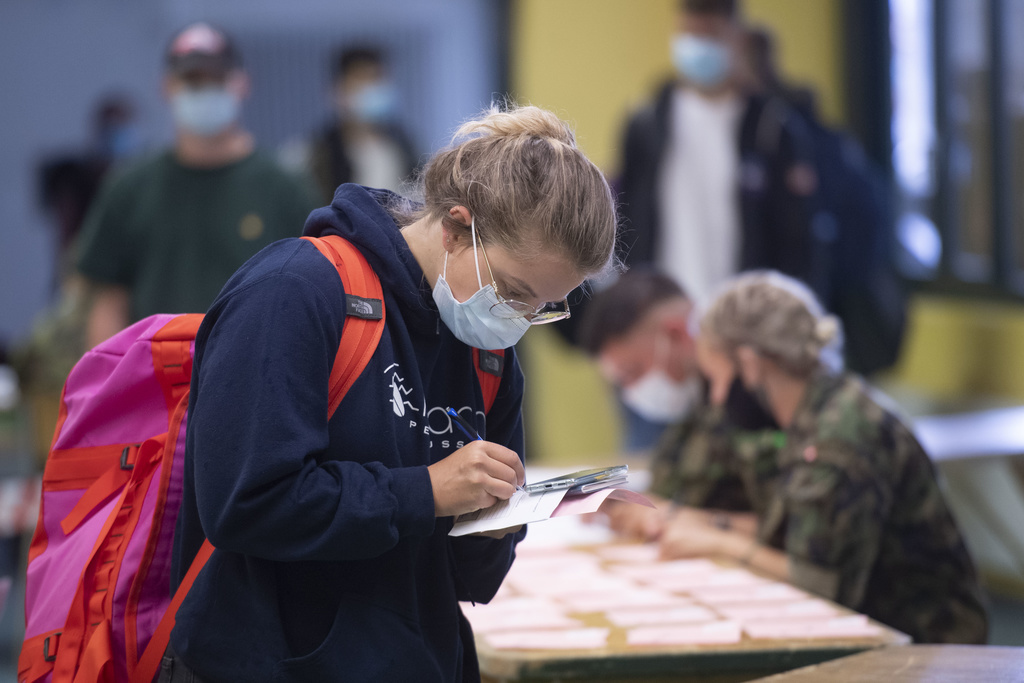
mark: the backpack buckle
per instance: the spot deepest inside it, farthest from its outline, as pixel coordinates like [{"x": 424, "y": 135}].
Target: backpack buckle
[
  {"x": 47, "y": 657},
  {"x": 125, "y": 465}
]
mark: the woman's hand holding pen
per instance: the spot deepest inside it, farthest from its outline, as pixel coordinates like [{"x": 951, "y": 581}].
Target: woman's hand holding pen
[{"x": 476, "y": 476}]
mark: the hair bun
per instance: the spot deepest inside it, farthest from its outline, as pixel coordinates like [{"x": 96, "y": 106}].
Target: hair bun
[
  {"x": 528, "y": 121},
  {"x": 825, "y": 329}
]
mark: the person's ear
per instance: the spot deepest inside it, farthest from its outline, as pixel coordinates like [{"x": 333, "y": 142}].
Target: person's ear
[
  {"x": 452, "y": 236},
  {"x": 751, "y": 366},
  {"x": 678, "y": 327},
  {"x": 461, "y": 215}
]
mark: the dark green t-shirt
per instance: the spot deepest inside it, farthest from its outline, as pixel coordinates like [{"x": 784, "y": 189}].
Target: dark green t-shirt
[{"x": 173, "y": 235}]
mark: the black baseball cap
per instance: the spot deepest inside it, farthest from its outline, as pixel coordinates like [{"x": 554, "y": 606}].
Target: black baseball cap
[{"x": 202, "y": 48}]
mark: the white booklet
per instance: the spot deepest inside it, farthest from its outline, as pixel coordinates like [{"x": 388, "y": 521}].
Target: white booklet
[{"x": 524, "y": 508}]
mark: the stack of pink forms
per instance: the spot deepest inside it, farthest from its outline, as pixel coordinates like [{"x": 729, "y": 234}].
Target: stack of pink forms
[{"x": 573, "y": 599}]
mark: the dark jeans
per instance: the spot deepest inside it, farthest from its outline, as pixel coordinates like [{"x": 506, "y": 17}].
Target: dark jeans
[{"x": 173, "y": 670}]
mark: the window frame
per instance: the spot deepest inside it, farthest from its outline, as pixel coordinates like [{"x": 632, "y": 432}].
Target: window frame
[{"x": 1004, "y": 279}]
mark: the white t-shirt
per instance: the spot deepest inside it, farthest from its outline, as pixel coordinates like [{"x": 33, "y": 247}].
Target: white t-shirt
[
  {"x": 377, "y": 162},
  {"x": 697, "y": 193}
]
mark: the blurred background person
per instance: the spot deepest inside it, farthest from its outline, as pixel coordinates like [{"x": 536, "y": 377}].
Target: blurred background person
[
  {"x": 701, "y": 198},
  {"x": 640, "y": 330},
  {"x": 757, "y": 52},
  {"x": 363, "y": 144},
  {"x": 855, "y": 274},
  {"x": 637, "y": 330},
  {"x": 856, "y": 513},
  {"x": 166, "y": 233},
  {"x": 68, "y": 183}
]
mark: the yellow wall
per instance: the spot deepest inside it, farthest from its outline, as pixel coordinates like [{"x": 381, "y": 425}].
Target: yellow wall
[
  {"x": 961, "y": 352},
  {"x": 592, "y": 62}
]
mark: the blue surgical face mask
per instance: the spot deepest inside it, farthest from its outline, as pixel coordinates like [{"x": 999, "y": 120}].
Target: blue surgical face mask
[
  {"x": 375, "y": 103},
  {"x": 702, "y": 61},
  {"x": 205, "y": 111},
  {"x": 471, "y": 321}
]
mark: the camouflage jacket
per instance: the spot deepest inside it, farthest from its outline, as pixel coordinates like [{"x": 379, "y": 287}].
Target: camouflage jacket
[
  {"x": 707, "y": 462},
  {"x": 858, "y": 509},
  {"x": 719, "y": 457}
]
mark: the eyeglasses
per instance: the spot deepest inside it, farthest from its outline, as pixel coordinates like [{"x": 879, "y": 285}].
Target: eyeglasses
[{"x": 510, "y": 308}]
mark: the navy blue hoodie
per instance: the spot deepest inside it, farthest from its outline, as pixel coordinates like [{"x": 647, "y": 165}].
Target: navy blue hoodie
[{"x": 330, "y": 564}]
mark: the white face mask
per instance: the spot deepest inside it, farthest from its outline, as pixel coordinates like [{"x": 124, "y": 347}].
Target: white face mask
[
  {"x": 659, "y": 398},
  {"x": 471, "y": 321},
  {"x": 205, "y": 111}
]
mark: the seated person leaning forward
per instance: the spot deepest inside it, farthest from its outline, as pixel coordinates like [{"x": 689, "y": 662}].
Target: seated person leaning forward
[
  {"x": 856, "y": 513},
  {"x": 717, "y": 457}
]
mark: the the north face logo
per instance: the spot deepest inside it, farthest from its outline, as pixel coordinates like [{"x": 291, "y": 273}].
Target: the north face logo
[
  {"x": 368, "y": 309},
  {"x": 491, "y": 362}
]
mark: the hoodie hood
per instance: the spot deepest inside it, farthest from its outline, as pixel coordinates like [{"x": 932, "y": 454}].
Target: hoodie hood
[{"x": 360, "y": 215}]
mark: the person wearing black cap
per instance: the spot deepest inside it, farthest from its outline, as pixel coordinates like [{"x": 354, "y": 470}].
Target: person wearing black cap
[{"x": 166, "y": 233}]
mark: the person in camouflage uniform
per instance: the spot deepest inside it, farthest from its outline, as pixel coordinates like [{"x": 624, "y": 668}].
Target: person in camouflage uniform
[
  {"x": 860, "y": 514},
  {"x": 855, "y": 512},
  {"x": 708, "y": 461}
]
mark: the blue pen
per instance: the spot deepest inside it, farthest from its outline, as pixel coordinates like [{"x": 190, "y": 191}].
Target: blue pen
[{"x": 466, "y": 428}]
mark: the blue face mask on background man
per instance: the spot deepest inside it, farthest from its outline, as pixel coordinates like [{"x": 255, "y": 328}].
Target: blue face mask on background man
[
  {"x": 704, "y": 62},
  {"x": 375, "y": 102},
  {"x": 205, "y": 111}
]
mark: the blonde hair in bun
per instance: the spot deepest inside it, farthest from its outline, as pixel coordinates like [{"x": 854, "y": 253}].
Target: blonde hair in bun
[
  {"x": 529, "y": 187},
  {"x": 780, "y": 318}
]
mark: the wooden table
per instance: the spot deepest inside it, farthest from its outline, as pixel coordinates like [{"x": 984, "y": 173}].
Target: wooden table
[
  {"x": 620, "y": 662},
  {"x": 917, "y": 664}
]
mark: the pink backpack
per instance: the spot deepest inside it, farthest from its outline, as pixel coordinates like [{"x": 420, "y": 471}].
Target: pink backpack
[{"x": 97, "y": 604}]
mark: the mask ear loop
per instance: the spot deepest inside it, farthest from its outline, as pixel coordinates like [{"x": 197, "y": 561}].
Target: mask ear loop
[{"x": 476, "y": 259}]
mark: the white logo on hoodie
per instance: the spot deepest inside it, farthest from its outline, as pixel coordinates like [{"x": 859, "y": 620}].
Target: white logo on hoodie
[
  {"x": 399, "y": 392},
  {"x": 434, "y": 421}
]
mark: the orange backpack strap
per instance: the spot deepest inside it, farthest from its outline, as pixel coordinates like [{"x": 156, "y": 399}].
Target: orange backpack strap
[
  {"x": 490, "y": 365},
  {"x": 364, "y": 314},
  {"x": 149, "y": 662},
  {"x": 362, "y": 330}
]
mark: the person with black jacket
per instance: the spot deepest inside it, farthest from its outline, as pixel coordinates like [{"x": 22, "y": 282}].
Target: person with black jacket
[
  {"x": 716, "y": 179},
  {"x": 363, "y": 143}
]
